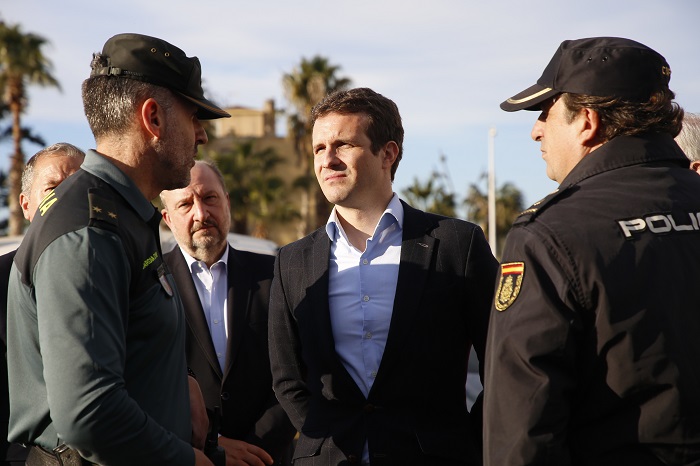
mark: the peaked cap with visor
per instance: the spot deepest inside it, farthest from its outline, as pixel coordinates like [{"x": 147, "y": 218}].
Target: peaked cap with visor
[
  {"x": 597, "y": 66},
  {"x": 155, "y": 61}
]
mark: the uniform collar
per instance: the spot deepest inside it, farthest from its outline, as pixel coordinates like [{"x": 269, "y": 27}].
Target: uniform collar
[
  {"x": 624, "y": 151},
  {"x": 102, "y": 168},
  {"x": 620, "y": 152}
]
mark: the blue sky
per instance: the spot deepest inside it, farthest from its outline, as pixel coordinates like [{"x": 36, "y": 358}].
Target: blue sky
[{"x": 446, "y": 63}]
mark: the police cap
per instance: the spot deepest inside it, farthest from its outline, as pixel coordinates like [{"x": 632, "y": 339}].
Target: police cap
[{"x": 597, "y": 66}]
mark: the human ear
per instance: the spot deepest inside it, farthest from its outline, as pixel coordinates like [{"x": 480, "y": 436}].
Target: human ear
[
  {"x": 152, "y": 117},
  {"x": 589, "y": 122},
  {"x": 24, "y": 203},
  {"x": 389, "y": 153}
]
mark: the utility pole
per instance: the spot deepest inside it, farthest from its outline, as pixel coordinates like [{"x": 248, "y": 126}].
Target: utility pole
[{"x": 492, "y": 191}]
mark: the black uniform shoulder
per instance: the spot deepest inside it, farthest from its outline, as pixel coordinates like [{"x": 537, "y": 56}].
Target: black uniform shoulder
[
  {"x": 63, "y": 210},
  {"x": 82, "y": 200},
  {"x": 535, "y": 210}
]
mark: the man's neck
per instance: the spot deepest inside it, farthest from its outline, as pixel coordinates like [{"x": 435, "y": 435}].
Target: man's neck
[
  {"x": 209, "y": 256},
  {"x": 359, "y": 224},
  {"x": 129, "y": 158}
]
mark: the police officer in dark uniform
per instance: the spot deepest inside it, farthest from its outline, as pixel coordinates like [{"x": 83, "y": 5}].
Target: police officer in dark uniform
[
  {"x": 593, "y": 345},
  {"x": 96, "y": 329}
]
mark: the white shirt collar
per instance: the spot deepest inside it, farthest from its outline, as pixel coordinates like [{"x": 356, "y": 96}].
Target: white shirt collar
[{"x": 191, "y": 260}]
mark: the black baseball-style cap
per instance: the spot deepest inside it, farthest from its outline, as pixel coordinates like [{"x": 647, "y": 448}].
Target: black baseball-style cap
[
  {"x": 597, "y": 66},
  {"x": 155, "y": 61}
]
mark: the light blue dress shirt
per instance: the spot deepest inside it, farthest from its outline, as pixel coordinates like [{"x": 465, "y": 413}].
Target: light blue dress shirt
[
  {"x": 362, "y": 287},
  {"x": 212, "y": 288}
]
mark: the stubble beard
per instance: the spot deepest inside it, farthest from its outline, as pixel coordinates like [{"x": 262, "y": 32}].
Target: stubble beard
[
  {"x": 172, "y": 172},
  {"x": 210, "y": 240}
]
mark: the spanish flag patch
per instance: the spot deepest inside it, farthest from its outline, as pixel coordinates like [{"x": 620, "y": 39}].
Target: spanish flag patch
[{"x": 512, "y": 274}]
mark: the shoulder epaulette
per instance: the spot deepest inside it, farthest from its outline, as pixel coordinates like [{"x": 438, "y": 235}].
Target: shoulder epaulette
[
  {"x": 102, "y": 207},
  {"x": 530, "y": 213}
]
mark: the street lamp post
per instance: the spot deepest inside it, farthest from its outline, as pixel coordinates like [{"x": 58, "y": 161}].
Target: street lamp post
[{"x": 492, "y": 191}]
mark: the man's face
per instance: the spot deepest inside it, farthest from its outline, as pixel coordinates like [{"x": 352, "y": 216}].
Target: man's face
[
  {"x": 49, "y": 171},
  {"x": 199, "y": 215},
  {"x": 177, "y": 147},
  {"x": 349, "y": 174},
  {"x": 558, "y": 139}
]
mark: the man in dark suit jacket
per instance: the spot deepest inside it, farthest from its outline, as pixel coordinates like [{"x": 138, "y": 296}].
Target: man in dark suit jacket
[
  {"x": 42, "y": 173},
  {"x": 372, "y": 317},
  {"x": 226, "y": 293}
]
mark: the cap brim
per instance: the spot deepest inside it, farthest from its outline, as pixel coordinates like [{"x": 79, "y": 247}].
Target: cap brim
[
  {"x": 207, "y": 109},
  {"x": 529, "y": 99}
]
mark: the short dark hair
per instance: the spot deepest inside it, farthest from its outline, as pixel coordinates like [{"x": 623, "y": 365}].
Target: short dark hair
[
  {"x": 383, "y": 118},
  {"x": 109, "y": 101},
  {"x": 618, "y": 117},
  {"x": 68, "y": 150}
]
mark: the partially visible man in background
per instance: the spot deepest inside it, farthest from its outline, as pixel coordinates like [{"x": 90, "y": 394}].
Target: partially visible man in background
[
  {"x": 43, "y": 172},
  {"x": 689, "y": 139},
  {"x": 226, "y": 293},
  {"x": 592, "y": 352}
]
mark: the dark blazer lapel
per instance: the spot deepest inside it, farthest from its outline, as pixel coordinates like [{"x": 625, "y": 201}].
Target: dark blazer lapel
[
  {"x": 194, "y": 313},
  {"x": 317, "y": 259},
  {"x": 237, "y": 304},
  {"x": 417, "y": 250}
]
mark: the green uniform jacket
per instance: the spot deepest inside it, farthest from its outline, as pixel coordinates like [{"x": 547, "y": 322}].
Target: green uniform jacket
[{"x": 96, "y": 330}]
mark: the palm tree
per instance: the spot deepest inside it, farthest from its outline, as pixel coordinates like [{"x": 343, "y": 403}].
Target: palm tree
[
  {"x": 432, "y": 196},
  {"x": 304, "y": 87},
  {"x": 509, "y": 204},
  {"x": 257, "y": 195},
  {"x": 22, "y": 62}
]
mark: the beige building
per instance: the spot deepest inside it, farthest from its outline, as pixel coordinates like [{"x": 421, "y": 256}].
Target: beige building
[
  {"x": 259, "y": 126},
  {"x": 248, "y": 122}
]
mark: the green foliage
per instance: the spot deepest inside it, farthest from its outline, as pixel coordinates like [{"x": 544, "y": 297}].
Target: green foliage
[
  {"x": 22, "y": 60},
  {"x": 310, "y": 82},
  {"x": 257, "y": 194},
  {"x": 431, "y": 196},
  {"x": 22, "y": 63},
  {"x": 304, "y": 87},
  {"x": 509, "y": 204}
]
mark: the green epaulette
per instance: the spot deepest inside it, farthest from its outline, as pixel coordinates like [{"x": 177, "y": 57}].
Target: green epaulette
[{"x": 102, "y": 207}]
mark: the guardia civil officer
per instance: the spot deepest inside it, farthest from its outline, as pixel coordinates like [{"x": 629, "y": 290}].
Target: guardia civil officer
[
  {"x": 96, "y": 330},
  {"x": 593, "y": 348}
]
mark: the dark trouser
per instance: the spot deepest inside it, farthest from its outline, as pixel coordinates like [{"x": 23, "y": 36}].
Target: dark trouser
[{"x": 60, "y": 456}]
